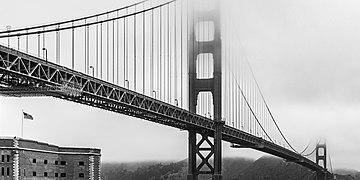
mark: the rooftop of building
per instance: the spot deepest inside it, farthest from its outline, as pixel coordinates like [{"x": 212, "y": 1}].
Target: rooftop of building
[{"x": 33, "y": 144}]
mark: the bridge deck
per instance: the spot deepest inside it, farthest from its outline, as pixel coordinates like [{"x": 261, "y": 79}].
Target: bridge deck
[{"x": 25, "y": 75}]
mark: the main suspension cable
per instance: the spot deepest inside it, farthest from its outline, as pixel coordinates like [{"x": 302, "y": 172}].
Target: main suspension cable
[
  {"x": 262, "y": 96},
  {"x": 248, "y": 104}
]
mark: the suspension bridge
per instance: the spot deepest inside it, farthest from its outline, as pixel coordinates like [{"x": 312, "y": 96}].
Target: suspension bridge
[{"x": 178, "y": 63}]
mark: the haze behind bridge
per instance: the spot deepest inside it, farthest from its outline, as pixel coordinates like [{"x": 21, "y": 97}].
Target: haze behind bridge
[{"x": 305, "y": 56}]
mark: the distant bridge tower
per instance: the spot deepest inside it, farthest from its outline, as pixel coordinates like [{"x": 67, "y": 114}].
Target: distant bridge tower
[
  {"x": 211, "y": 47},
  {"x": 321, "y": 160}
]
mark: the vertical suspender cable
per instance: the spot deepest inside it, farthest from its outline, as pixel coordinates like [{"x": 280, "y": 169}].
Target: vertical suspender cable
[
  {"x": 59, "y": 45},
  {"x": 143, "y": 48},
  {"x": 101, "y": 51},
  {"x": 44, "y": 44},
  {"x": 233, "y": 90},
  {"x": 107, "y": 48},
  {"x": 224, "y": 48},
  {"x": 85, "y": 49},
  {"x": 9, "y": 41},
  {"x": 18, "y": 42},
  {"x": 117, "y": 48},
  {"x": 168, "y": 53},
  {"x": 175, "y": 55},
  {"x": 27, "y": 41},
  {"x": 244, "y": 112},
  {"x": 113, "y": 50},
  {"x": 152, "y": 52},
  {"x": 227, "y": 79},
  {"x": 135, "y": 50},
  {"x": 96, "y": 47},
  {"x": 160, "y": 52},
  {"x": 164, "y": 58},
  {"x": 247, "y": 94},
  {"x": 181, "y": 53},
  {"x": 252, "y": 99},
  {"x": 38, "y": 45},
  {"x": 72, "y": 47},
  {"x": 56, "y": 46},
  {"x": 125, "y": 50}
]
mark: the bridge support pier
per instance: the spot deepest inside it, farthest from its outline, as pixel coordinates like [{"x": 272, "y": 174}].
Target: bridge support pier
[
  {"x": 204, "y": 149},
  {"x": 217, "y": 175},
  {"x": 192, "y": 175},
  {"x": 199, "y": 46},
  {"x": 321, "y": 157}
]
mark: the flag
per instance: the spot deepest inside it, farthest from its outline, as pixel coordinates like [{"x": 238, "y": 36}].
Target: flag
[{"x": 28, "y": 116}]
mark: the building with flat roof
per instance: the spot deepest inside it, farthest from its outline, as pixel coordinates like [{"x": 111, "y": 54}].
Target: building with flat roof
[{"x": 23, "y": 159}]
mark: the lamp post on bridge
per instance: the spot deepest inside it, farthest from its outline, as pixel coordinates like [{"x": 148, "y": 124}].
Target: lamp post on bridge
[
  {"x": 46, "y": 53},
  {"x": 127, "y": 83},
  {"x": 92, "y": 67},
  {"x": 154, "y": 92}
]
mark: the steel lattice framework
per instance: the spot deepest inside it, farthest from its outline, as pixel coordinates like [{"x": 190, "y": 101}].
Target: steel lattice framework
[
  {"x": 146, "y": 48},
  {"x": 25, "y": 75}
]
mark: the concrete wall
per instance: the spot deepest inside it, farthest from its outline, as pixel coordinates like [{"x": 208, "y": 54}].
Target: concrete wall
[
  {"x": 6, "y": 165},
  {"x": 41, "y": 158}
]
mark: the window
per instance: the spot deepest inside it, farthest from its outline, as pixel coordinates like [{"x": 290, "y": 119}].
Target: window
[
  {"x": 63, "y": 175},
  {"x": 45, "y": 174},
  {"x": 2, "y": 171},
  {"x": 81, "y": 163},
  {"x": 81, "y": 175},
  {"x": 45, "y": 161},
  {"x": 8, "y": 158},
  {"x": 24, "y": 172},
  {"x": 34, "y": 160},
  {"x": 63, "y": 163},
  {"x": 8, "y": 171},
  {"x": 34, "y": 173},
  {"x": 56, "y": 162},
  {"x": 56, "y": 174},
  {"x": 2, "y": 158}
]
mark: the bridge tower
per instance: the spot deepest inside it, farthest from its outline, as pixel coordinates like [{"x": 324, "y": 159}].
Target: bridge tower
[
  {"x": 321, "y": 160},
  {"x": 196, "y": 48}
]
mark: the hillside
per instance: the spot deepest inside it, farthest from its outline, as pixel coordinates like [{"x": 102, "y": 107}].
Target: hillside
[
  {"x": 264, "y": 168},
  {"x": 166, "y": 171},
  {"x": 347, "y": 174},
  {"x": 269, "y": 167}
]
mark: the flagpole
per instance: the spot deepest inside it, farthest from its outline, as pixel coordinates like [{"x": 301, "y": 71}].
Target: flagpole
[{"x": 22, "y": 123}]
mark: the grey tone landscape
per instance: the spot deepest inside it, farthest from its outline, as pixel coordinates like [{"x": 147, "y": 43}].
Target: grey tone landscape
[{"x": 264, "y": 168}]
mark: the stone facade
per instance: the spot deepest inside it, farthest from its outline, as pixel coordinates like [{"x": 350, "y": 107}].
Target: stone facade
[{"x": 22, "y": 159}]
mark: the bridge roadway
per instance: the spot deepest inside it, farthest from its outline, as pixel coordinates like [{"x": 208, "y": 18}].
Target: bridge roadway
[{"x": 22, "y": 74}]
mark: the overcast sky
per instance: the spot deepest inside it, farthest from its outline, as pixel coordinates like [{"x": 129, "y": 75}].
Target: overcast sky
[{"x": 305, "y": 56}]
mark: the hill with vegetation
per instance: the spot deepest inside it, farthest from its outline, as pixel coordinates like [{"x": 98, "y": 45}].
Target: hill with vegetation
[{"x": 264, "y": 168}]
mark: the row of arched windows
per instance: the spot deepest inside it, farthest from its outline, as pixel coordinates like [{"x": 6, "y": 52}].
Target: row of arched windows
[
  {"x": 3, "y": 171},
  {"x": 3, "y": 158}
]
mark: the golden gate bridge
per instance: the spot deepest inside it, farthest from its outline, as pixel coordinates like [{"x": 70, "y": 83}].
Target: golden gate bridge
[{"x": 179, "y": 63}]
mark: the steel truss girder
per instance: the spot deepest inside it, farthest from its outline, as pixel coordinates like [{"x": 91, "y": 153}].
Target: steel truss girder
[{"x": 20, "y": 71}]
